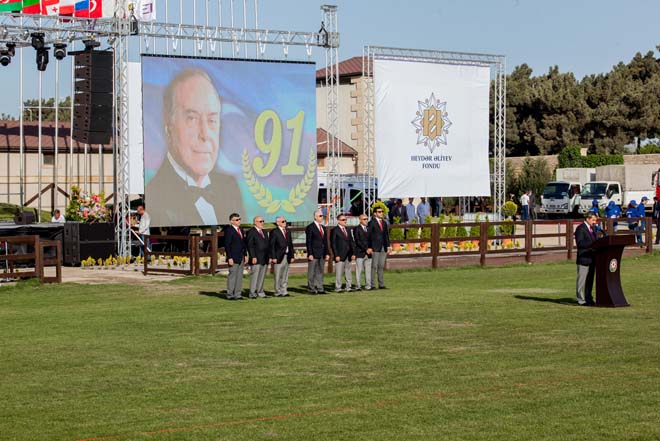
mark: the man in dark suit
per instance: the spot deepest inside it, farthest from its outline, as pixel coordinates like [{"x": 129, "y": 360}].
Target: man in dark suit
[
  {"x": 399, "y": 211},
  {"x": 341, "y": 243},
  {"x": 317, "y": 253},
  {"x": 585, "y": 236},
  {"x": 236, "y": 257},
  {"x": 186, "y": 190},
  {"x": 379, "y": 246},
  {"x": 259, "y": 251},
  {"x": 362, "y": 254},
  {"x": 281, "y": 253}
]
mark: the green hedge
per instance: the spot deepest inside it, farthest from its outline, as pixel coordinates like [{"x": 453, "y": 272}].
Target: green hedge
[{"x": 570, "y": 157}]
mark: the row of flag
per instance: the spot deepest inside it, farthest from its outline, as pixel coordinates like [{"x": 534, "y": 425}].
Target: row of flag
[{"x": 145, "y": 10}]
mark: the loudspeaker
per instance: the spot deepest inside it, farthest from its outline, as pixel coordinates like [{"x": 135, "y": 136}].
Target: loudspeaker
[
  {"x": 88, "y": 240},
  {"x": 24, "y": 218},
  {"x": 93, "y": 100}
]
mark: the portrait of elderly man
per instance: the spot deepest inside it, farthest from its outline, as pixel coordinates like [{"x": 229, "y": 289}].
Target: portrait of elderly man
[{"x": 187, "y": 190}]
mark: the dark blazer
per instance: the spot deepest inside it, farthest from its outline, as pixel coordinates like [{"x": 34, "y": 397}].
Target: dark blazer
[
  {"x": 361, "y": 240},
  {"x": 342, "y": 246},
  {"x": 234, "y": 245},
  {"x": 278, "y": 245},
  {"x": 584, "y": 241},
  {"x": 378, "y": 240},
  {"x": 400, "y": 212},
  {"x": 316, "y": 244},
  {"x": 258, "y": 246},
  {"x": 171, "y": 202}
]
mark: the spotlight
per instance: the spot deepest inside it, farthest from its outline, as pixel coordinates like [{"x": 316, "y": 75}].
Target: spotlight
[
  {"x": 111, "y": 40},
  {"x": 38, "y": 41},
  {"x": 11, "y": 47},
  {"x": 322, "y": 37},
  {"x": 42, "y": 58},
  {"x": 91, "y": 44},
  {"x": 5, "y": 58},
  {"x": 59, "y": 51},
  {"x": 4, "y": 32},
  {"x": 26, "y": 34}
]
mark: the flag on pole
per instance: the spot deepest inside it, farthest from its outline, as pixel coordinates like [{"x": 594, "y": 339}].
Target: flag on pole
[
  {"x": 11, "y": 5},
  {"x": 146, "y": 10},
  {"x": 67, "y": 7},
  {"x": 50, "y": 7},
  {"x": 95, "y": 8},
  {"x": 31, "y": 7}
]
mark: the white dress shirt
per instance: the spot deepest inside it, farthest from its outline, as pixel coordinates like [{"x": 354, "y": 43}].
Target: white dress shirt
[{"x": 204, "y": 207}]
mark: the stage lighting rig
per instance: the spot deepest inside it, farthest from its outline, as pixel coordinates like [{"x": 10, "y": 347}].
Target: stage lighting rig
[
  {"x": 59, "y": 50},
  {"x": 42, "y": 59},
  {"x": 5, "y": 58},
  {"x": 322, "y": 39},
  {"x": 38, "y": 41},
  {"x": 91, "y": 44},
  {"x": 39, "y": 44}
]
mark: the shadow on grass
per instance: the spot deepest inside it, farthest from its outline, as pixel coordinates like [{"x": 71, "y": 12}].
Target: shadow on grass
[
  {"x": 303, "y": 289},
  {"x": 563, "y": 301},
  {"x": 216, "y": 294}
]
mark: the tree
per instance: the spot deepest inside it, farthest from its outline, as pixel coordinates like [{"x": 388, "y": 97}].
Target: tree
[
  {"x": 601, "y": 112},
  {"x": 31, "y": 109}
]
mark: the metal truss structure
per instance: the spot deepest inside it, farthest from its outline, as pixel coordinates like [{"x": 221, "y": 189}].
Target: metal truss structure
[
  {"x": 332, "y": 103},
  {"x": 497, "y": 64},
  {"x": 120, "y": 32}
]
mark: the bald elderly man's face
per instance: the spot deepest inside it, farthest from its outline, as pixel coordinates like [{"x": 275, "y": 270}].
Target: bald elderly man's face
[{"x": 194, "y": 130}]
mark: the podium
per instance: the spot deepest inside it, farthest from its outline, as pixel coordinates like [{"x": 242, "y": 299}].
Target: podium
[{"x": 608, "y": 251}]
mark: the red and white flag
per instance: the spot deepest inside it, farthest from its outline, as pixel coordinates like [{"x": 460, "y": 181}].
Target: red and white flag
[
  {"x": 67, "y": 7},
  {"x": 50, "y": 7}
]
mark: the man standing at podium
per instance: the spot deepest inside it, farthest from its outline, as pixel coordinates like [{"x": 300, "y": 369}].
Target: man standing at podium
[{"x": 585, "y": 236}]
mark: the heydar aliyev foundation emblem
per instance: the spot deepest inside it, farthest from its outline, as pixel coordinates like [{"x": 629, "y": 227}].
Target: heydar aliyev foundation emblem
[{"x": 431, "y": 123}]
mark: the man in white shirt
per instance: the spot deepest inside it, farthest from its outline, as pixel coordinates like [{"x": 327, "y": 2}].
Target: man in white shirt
[
  {"x": 186, "y": 189},
  {"x": 423, "y": 210},
  {"x": 524, "y": 202},
  {"x": 58, "y": 217},
  {"x": 411, "y": 212},
  {"x": 143, "y": 226}
]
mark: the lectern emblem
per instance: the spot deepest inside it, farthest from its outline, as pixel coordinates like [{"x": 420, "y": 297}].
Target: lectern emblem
[
  {"x": 431, "y": 123},
  {"x": 614, "y": 265}
]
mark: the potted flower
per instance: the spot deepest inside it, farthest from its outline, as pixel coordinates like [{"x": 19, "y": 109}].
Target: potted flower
[
  {"x": 412, "y": 233},
  {"x": 425, "y": 233},
  {"x": 396, "y": 234}
]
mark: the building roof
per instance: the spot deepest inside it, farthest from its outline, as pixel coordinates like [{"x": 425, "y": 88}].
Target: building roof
[
  {"x": 10, "y": 138},
  {"x": 351, "y": 67},
  {"x": 322, "y": 145}
]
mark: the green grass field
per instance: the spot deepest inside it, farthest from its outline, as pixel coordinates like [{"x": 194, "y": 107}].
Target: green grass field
[{"x": 452, "y": 354}]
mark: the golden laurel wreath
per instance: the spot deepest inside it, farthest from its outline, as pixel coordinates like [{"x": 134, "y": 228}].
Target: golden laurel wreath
[{"x": 265, "y": 197}]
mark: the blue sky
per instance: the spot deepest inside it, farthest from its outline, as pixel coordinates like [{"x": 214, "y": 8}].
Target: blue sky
[{"x": 582, "y": 36}]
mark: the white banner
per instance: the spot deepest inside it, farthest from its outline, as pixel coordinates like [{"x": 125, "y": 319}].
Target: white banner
[
  {"x": 146, "y": 10},
  {"x": 135, "y": 139},
  {"x": 431, "y": 129}
]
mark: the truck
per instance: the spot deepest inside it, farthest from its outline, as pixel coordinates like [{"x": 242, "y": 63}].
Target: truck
[
  {"x": 353, "y": 186},
  {"x": 562, "y": 197},
  {"x": 621, "y": 184}
]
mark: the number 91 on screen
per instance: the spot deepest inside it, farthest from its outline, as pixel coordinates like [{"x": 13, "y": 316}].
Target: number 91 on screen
[{"x": 273, "y": 147}]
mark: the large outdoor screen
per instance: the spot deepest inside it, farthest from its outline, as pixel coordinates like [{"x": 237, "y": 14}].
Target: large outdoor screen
[{"x": 228, "y": 136}]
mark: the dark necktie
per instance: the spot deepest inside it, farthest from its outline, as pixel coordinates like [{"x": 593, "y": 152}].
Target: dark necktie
[
  {"x": 261, "y": 233},
  {"x": 321, "y": 231},
  {"x": 343, "y": 230}
]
